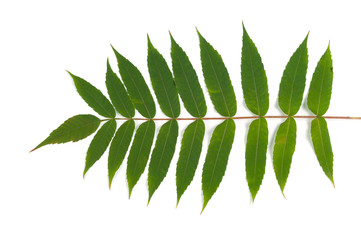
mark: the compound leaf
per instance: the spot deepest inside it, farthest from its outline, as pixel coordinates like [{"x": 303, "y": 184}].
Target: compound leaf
[
  {"x": 322, "y": 145},
  {"x": 73, "y": 129},
  {"x": 138, "y": 90},
  {"x": 162, "y": 82},
  {"x": 99, "y": 143},
  {"x": 118, "y": 95},
  {"x": 283, "y": 150},
  {"x": 217, "y": 158},
  {"x": 254, "y": 80},
  {"x": 139, "y": 153},
  {"x": 93, "y": 97},
  {"x": 319, "y": 95},
  {"x": 293, "y": 81},
  {"x": 187, "y": 83},
  {"x": 256, "y": 150},
  {"x": 217, "y": 79},
  {"x": 119, "y": 148},
  {"x": 162, "y": 155},
  {"x": 189, "y": 155}
]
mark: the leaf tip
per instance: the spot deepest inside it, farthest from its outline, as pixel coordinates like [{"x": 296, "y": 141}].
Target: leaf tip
[
  {"x": 284, "y": 194},
  {"x": 110, "y": 183},
  {"x": 204, "y": 205},
  {"x": 33, "y": 150}
]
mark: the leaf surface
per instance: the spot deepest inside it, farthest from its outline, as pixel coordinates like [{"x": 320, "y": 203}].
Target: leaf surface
[
  {"x": 138, "y": 90},
  {"x": 189, "y": 155},
  {"x": 93, "y": 97},
  {"x": 217, "y": 79},
  {"x": 187, "y": 83},
  {"x": 119, "y": 148},
  {"x": 256, "y": 150},
  {"x": 73, "y": 129},
  {"x": 283, "y": 150},
  {"x": 293, "y": 81},
  {"x": 139, "y": 153},
  {"x": 217, "y": 158},
  {"x": 162, "y": 82},
  {"x": 162, "y": 155},
  {"x": 99, "y": 143},
  {"x": 254, "y": 80},
  {"x": 319, "y": 95},
  {"x": 118, "y": 95},
  {"x": 322, "y": 145}
]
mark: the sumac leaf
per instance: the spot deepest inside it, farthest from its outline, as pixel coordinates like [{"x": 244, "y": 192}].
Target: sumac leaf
[
  {"x": 217, "y": 158},
  {"x": 73, "y": 129},
  {"x": 256, "y": 150},
  {"x": 319, "y": 95},
  {"x": 254, "y": 80},
  {"x": 99, "y": 143},
  {"x": 162, "y": 155},
  {"x": 187, "y": 83},
  {"x": 293, "y": 81},
  {"x": 189, "y": 155},
  {"x": 162, "y": 82},
  {"x": 138, "y": 90},
  {"x": 93, "y": 97},
  {"x": 139, "y": 153},
  {"x": 322, "y": 145},
  {"x": 217, "y": 79},
  {"x": 118, "y": 95},
  {"x": 283, "y": 150},
  {"x": 119, "y": 148}
]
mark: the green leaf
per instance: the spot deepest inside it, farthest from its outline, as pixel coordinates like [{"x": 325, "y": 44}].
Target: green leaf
[
  {"x": 139, "y": 153},
  {"x": 162, "y": 155},
  {"x": 293, "y": 81},
  {"x": 162, "y": 82},
  {"x": 254, "y": 80},
  {"x": 256, "y": 150},
  {"x": 118, "y": 95},
  {"x": 216, "y": 159},
  {"x": 189, "y": 155},
  {"x": 217, "y": 79},
  {"x": 322, "y": 145},
  {"x": 73, "y": 129},
  {"x": 119, "y": 148},
  {"x": 99, "y": 143},
  {"x": 283, "y": 150},
  {"x": 319, "y": 95},
  {"x": 187, "y": 82},
  {"x": 138, "y": 90},
  {"x": 93, "y": 97}
]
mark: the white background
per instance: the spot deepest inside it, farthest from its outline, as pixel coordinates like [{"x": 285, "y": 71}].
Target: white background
[{"x": 43, "y": 194}]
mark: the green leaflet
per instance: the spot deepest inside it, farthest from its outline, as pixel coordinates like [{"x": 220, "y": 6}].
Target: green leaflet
[
  {"x": 293, "y": 81},
  {"x": 187, "y": 82},
  {"x": 319, "y": 95},
  {"x": 119, "y": 148},
  {"x": 216, "y": 159},
  {"x": 283, "y": 150},
  {"x": 118, "y": 95},
  {"x": 162, "y": 155},
  {"x": 254, "y": 80},
  {"x": 93, "y": 97},
  {"x": 139, "y": 153},
  {"x": 73, "y": 129},
  {"x": 322, "y": 145},
  {"x": 99, "y": 143},
  {"x": 189, "y": 155},
  {"x": 162, "y": 82},
  {"x": 256, "y": 150},
  {"x": 217, "y": 79},
  {"x": 138, "y": 90}
]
